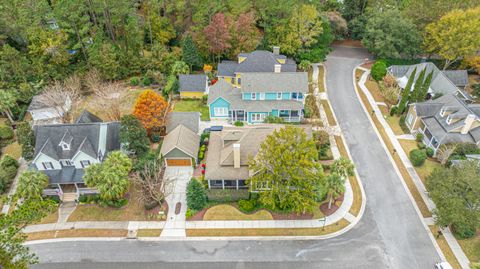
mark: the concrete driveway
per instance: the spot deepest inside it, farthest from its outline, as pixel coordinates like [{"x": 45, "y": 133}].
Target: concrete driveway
[{"x": 390, "y": 234}]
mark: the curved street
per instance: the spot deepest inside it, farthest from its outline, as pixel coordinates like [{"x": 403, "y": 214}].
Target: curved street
[{"x": 390, "y": 234}]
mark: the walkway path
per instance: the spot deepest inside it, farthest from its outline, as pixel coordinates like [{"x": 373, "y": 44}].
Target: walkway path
[
  {"x": 13, "y": 188},
  {"x": 459, "y": 254},
  {"x": 65, "y": 210}
]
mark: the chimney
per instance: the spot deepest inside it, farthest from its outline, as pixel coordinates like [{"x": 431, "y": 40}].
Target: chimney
[
  {"x": 278, "y": 68},
  {"x": 469, "y": 120},
  {"x": 276, "y": 50},
  {"x": 236, "y": 155}
]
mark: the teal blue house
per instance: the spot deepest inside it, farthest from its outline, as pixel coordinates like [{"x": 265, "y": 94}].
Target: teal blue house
[{"x": 259, "y": 95}]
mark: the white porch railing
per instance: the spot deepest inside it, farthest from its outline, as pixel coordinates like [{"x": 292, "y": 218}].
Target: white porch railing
[{"x": 81, "y": 191}]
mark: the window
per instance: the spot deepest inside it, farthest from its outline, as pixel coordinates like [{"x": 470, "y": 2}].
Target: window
[
  {"x": 262, "y": 96},
  {"x": 239, "y": 81},
  {"x": 409, "y": 119},
  {"x": 220, "y": 111},
  {"x": 65, "y": 163},
  {"x": 300, "y": 96},
  {"x": 294, "y": 95},
  {"x": 230, "y": 184},
  {"x": 254, "y": 96},
  {"x": 294, "y": 113},
  {"x": 242, "y": 184},
  {"x": 85, "y": 163},
  {"x": 216, "y": 184},
  {"x": 47, "y": 165},
  {"x": 258, "y": 117},
  {"x": 279, "y": 96}
]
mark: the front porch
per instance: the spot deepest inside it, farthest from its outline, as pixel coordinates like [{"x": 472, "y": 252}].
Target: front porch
[
  {"x": 428, "y": 139},
  {"x": 68, "y": 192},
  {"x": 286, "y": 115}
]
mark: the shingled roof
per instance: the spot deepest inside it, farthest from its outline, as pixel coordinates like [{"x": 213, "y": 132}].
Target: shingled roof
[
  {"x": 183, "y": 139},
  {"x": 256, "y": 61},
  {"x": 191, "y": 120},
  {"x": 192, "y": 83}
]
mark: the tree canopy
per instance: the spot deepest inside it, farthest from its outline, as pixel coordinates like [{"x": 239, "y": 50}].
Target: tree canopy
[{"x": 151, "y": 109}]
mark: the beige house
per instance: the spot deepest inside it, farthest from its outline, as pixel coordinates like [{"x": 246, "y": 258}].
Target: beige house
[{"x": 180, "y": 147}]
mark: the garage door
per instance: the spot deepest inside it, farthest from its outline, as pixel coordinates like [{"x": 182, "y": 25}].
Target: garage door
[{"x": 179, "y": 162}]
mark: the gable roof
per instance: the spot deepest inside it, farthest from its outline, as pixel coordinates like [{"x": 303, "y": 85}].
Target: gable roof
[
  {"x": 226, "y": 91},
  {"x": 183, "y": 139},
  {"x": 192, "y": 83},
  {"x": 256, "y": 61},
  {"x": 87, "y": 117},
  {"x": 190, "y": 120},
  {"x": 458, "y": 77},
  {"x": 275, "y": 82}
]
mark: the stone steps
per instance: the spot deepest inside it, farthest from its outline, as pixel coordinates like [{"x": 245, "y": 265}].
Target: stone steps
[{"x": 69, "y": 197}]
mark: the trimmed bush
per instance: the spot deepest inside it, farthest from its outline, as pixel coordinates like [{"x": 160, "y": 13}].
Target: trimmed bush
[
  {"x": 419, "y": 137},
  {"x": 421, "y": 145},
  {"x": 134, "y": 81},
  {"x": 393, "y": 110},
  {"x": 227, "y": 196},
  {"x": 8, "y": 171},
  {"x": 429, "y": 152},
  {"x": 247, "y": 206},
  {"x": 464, "y": 230},
  {"x": 149, "y": 205},
  {"x": 6, "y": 132},
  {"x": 417, "y": 157},
  {"x": 155, "y": 138},
  {"x": 379, "y": 70},
  {"x": 196, "y": 195},
  {"x": 238, "y": 123},
  {"x": 273, "y": 119},
  {"x": 146, "y": 81}
]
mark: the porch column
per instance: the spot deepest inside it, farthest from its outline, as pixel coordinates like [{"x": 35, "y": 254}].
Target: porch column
[
  {"x": 223, "y": 184},
  {"x": 236, "y": 182}
]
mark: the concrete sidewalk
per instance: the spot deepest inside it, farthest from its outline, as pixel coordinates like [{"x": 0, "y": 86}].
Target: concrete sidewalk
[{"x": 452, "y": 242}]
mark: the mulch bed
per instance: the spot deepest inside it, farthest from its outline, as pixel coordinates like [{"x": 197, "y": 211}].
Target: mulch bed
[
  {"x": 155, "y": 210},
  {"x": 326, "y": 211},
  {"x": 199, "y": 215},
  {"x": 178, "y": 206}
]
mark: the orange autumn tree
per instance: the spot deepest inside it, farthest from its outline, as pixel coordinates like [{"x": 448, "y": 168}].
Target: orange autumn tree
[{"x": 151, "y": 109}]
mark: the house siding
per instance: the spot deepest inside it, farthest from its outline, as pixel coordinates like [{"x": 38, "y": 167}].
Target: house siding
[
  {"x": 247, "y": 96},
  {"x": 83, "y": 157},
  {"x": 220, "y": 102},
  {"x": 44, "y": 158},
  {"x": 271, "y": 96},
  {"x": 286, "y": 96},
  {"x": 176, "y": 153}
]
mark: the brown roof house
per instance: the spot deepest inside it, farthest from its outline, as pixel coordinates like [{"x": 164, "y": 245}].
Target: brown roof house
[
  {"x": 180, "y": 147},
  {"x": 229, "y": 152}
]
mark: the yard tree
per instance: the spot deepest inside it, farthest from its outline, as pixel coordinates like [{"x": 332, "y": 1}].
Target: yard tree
[
  {"x": 110, "y": 178},
  {"x": 406, "y": 93},
  {"x": 13, "y": 253},
  {"x": 287, "y": 181},
  {"x": 26, "y": 139},
  {"x": 62, "y": 97},
  {"x": 7, "y": 102},
  {"x": 31, "y": 184},
  {"x": 151, "y": 109},
  {"x": 162, "y": 29},
  {"x": 416, "y": 95},
  {"x": 179, "y": 67},
  {"x": 456, "y": 193},
  {"x": 343, "y": 167},
  {"x": 190, "y": 54},
  {"x": 104, "y": 57},
  {"x": 245, "y": 34},
  {"x": 425, "y": 87},
  {"x": 335, "y": 185},
  {"x": 474, "y": 62},
  {"x": 196, "y": 195},
  {"x": 441, "y": 37},
  {"x": 154, "y": 185},
  {"x": 133, "y": 135},
  {"x": 390, "y": 35},
  {"x": 14, "y": 66},
  {"x": 217, "y": 34}
]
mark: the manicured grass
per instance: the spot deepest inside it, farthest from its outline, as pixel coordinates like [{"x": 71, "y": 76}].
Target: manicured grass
[
  {"x": 328, "y": 111},
  {"x": 14, "y": 150},
  {"x": 50, "y": 218},
  {"x": 317, "y": 213},
  {"x": 134, "y": 210},
  {"x": 228, "y": 212},
  {"x": 192, "y": 105},
  {"x": 270, "y": 231},
  {"x": 447, "y": 251},
  {"x": 471, "y": 247},
  {"x": 427, "y": 168},
  {"x": 394, "y": 122},
  {"x": 77, "y": 233},
  {"x": 403, "y": 170},
  {"x": 311, "y": 87},
  {"x": 321, "y": 72},
  {"x": 149, "y": 232},
  {"x": 341, "y": 147}
]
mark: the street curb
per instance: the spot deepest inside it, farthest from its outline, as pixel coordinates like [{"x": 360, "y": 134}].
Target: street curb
[{"x": 415, "y": 206}]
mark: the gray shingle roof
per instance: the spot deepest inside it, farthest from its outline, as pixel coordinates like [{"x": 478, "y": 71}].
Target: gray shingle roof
[
  {"x": 192, "y": 83},
  {"x": 458, "y": 77},
  {"x": 87, "y": 117},
  {"x": 190, "y": 120},
  {"x": 275, "y": 82},
  {"x": 256, "y": 61},
  {"x": 183, "y": 139},
  {"x": 233, "y": 95},
  {"x": 68, "y": 174}
]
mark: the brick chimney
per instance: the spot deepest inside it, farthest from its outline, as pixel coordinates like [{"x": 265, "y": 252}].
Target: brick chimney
[
  {"x": 236, "y": 155},
  {"x": 278, "y": 68},
  {"x": 469, "y": 120},
  {"x": 276, "y": 50}
]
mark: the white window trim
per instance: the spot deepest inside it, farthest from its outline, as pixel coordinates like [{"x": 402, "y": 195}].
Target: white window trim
[
  {"x": 220, "y": 111},
  {"x": 257, "y": 117},
  {"x": 262, "y": 96},
  {"x": 409, "y": 118},
  {"x": 85, "y": 165},
  {"x": 253, "y": 96},
  {"x": 279, "y": 96},
  {"x": 48, "y": 165}
]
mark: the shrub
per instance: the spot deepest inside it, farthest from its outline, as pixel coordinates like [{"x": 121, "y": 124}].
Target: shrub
[
  {"x": 403, "y": 125},
  {"x": 417, "y": 157},
  {"x": 419, "y": 137},
  {"x": 201, "y": 153},
  {"x": 273, "y": 119},
  {"x": 430, "y": 152},
  {"x": 421, "y": 145},
  {"x": 134, "y": 81},
  {"x": 149, "y": 205},
  {"x": 238, "y": 123},
  {"x": 227, "y": 196},
  {"x": 466, "y": 148},
  {"x": 204, "y": 98},
  {"x": 476, "y": 90},
  {"x": 247, "y": 205},
  {"x": 8, "y": 171},
  {"x": 190, "y": 213},
  {"x": 155, "y": 138},
  {"x": 393, "y": 110},
  {"x": 146, "y": 81},
  {"x": 379, "y": 70},
  {"x": 54, "y": 198},
  {"x": 196, "y": 195},
  {"x": 6, "y": 132},
  {"x": 115, "y": 203},
  {"x": 464, "y": 230}
]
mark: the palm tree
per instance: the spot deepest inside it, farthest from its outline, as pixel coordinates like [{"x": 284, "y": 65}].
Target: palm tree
[
  {"x": 343, "y": 167},
  {"x": 31, "y": 184},
  {"x": 335, "y": 186}
]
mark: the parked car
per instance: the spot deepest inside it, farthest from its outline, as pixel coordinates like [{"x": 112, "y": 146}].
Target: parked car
[{"x": 443, "y": 265}]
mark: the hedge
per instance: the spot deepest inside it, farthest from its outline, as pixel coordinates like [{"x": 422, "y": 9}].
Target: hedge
[{"x": 227, "y": 196}]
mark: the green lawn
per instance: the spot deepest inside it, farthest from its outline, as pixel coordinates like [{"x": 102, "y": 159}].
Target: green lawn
[
  {"x": 471, "y": 247},
  {"x": 429, "y": 165},
  {"x": 394, "y": 122},
  {"x": 192, "y": 105},
  {"x": 228, "y": 212},
  {"x": 14, "y": 150}
]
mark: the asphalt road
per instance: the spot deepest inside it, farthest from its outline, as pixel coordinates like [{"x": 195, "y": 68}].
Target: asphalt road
[{"x": 390, "y": 234}]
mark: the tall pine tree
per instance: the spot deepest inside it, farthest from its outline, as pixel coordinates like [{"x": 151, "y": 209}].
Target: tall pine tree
[
  {"x": 406, "y": 93},
  {"x": 417, "y": 88},
  {"x": 190, "y": 53}
]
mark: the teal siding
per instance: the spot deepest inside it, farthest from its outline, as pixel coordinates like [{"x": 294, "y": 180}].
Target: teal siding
[
  {"x": 247, "y": 96},
  {"x": 220, "y": 102},
  {"x": 275, "y": 112},
  {"x": 176, "y": 153},
  {"x": 286, "y": 96},
  {"x": 270, "y": 96}
]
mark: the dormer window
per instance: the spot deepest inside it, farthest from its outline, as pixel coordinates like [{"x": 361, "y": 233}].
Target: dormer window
[
  {"x": 442, "y": 112},
  {"x": 65, "y": 146},
  {"x": 279, "y": 96},
  {"x": 449, "y": 120},
  {"x": 254, "y": 96}
]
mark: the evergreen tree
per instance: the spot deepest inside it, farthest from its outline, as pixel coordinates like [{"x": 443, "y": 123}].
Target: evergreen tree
[
  {"x": 26, "y": 139},
  {"x": 406, "y": 93},
  {"x": 196, "y": 195},
  {"x": 190, "y": 53},
  {"x": 417, "y": 88},
  {"x": 425, "y": 87},
  {"x": 133, "y": 136}
]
